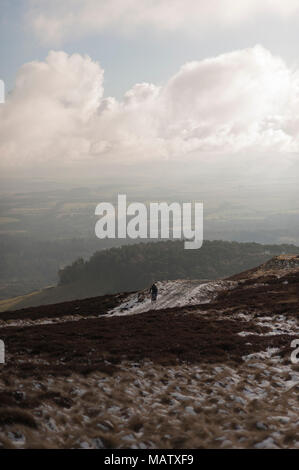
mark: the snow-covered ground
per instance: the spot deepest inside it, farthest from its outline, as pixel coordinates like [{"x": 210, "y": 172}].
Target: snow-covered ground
[
  {"x": 43, "y": 321},
  {"x": 277, "y": 325},
  {"x": 147, "y": 405},
  {"x": 178, "y": 293}
]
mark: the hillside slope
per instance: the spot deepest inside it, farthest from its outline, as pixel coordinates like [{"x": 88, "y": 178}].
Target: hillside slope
[
  {"x": 134, "y": 267},
  {"x": 209, "y": 367}
]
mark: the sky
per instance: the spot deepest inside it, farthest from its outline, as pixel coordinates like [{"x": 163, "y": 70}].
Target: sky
[{"x": 105, "y": 87}]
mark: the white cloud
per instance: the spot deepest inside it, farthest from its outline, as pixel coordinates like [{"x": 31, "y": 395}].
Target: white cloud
[
  {"x": 56, "y": 116},
  {"x": 56, "y": 20},
  {"x": 45, "y": 116}
]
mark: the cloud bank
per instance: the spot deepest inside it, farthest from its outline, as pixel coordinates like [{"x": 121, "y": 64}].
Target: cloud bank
[
  {"x": 56, "y": 20},
  {"x": 57, "y": 114}
]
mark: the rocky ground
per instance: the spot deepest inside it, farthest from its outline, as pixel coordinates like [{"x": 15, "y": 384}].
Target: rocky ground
[{"x": 208, "y": 366}]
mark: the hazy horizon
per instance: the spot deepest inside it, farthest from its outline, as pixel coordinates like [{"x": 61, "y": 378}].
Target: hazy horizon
[{"x": 144, "y": 98}]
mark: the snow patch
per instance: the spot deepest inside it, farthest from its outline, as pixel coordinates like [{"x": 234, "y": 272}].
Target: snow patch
[{"x": 178, "y": 293}]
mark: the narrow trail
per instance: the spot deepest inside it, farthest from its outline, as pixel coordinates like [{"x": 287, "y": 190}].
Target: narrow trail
[{"x": 178, "y": 293}]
